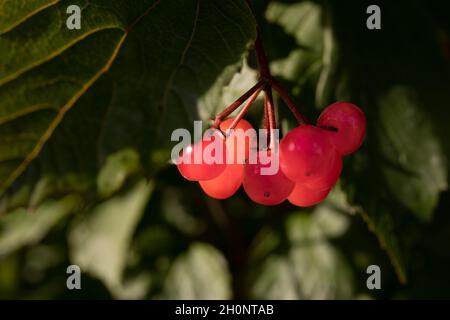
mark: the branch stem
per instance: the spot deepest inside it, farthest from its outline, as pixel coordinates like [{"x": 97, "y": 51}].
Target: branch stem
[
  {"x": 266, "y": 83},
  {"x": 266, "y": 75},
  {"x": 261, "y": 57}
]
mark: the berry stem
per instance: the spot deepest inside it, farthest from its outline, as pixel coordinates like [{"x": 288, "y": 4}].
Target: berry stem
[
  {"x": 287, "y": 99},
  {"x": 231, "y": 108},
  {"x": 245, "y": 108},
  {"x": 266, "y": 115},
  {"x": 269, "y": 108}
]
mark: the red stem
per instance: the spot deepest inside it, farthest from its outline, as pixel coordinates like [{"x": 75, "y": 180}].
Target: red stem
[
  {"x": 269, "y": 106},
  {"x": 266, "y": 119},
  {"x": 225, "y": 113},
  {"x": 261, "y": 57},
  {"x": 266, "y": 115},
  {"x": 245, "y": 109},
  {"x": 291, "y": 105},
  {"x": 268, "y": 82},
  {"x": 265, "y": 74}
]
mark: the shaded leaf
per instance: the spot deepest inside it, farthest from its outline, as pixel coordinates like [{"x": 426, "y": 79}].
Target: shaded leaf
[
  {"x": 407, "y": 140},
  {"x": 14, "y": 12},
  {"x": 401, "y": 169}
]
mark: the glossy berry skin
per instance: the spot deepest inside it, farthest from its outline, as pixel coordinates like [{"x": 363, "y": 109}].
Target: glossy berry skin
[
  {"x": 306, "y": 154},
  {"x": 238, "y": 147},
  {"x": 303, "y": 196},
  {"x": 267, "y": 190},
  {"x": 347, "y": 126},
  {"x": 226, "y": 184},
  {"x": 203, "y": 169},
  {"x": 330, "y": 177}
]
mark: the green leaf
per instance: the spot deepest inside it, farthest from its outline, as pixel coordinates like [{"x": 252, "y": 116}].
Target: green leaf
[
  {"x": 305, "y": 264},
  {"x": 23, "y": 227},
  {"x": 100, "y": 242},
  {"x": 200, "y": 273},
  {"x": 330, "y": 57},
  {"x": 303, "y": 22},
  {"x": 117, "y": 169},
  {"x": 415, "y": 168},
  {"x": 306, "y": 60},
  {"x": 14, "y": 12},
  {"x": 380, "y": 220},
  {"x": 393, "y": 74},
  {"x": 134, "y": 72}
]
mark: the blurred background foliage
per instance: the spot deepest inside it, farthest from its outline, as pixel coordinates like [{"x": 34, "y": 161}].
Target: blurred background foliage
[{"x": 85, "y": 123}]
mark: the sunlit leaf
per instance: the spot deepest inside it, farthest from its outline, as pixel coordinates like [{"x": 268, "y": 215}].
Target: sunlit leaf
[
  {"x": 23, "y": 227},
  {"x": 200, "y": 273},
  {"x": 99, "y": 243}
]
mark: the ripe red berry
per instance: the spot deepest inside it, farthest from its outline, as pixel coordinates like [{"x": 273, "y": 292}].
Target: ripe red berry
[
  {"x": 240, "y": 141},
  {"x": 226, "y": 184},
  {"x": 347, "y": 126},
  {"x": 306, "y": 154},
  {"x": 303, "y": 196},
  {"x": 204, "y": 160},
  {"x": 330, "y": 177},
  {"x": 266, "y": 189}
]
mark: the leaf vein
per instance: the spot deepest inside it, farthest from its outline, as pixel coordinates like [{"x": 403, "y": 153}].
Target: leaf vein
[
  {"x": 47, "y": 134},
  {"x": 28, "y": 16}
]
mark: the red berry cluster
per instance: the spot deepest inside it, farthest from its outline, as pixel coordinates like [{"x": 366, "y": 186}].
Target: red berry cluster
[
  {"x": 311, "y": 156},
  {"x": 310, "y": 159}
]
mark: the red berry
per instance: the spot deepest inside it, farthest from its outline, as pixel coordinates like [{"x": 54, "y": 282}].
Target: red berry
[
  {"x": 238, "y": 144},
  {"x": 226, "y": 184},
  {"x": 347, "y": 125},
  {"x": 266, "y": 189},
  {"x": 330, "y": 177},
  {"x": 204, "y": 160},
  {"x": 303, "y": 196},
  {"x": 306, "y": 154}
]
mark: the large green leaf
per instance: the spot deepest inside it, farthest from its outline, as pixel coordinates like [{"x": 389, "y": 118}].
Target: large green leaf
[
  {"x": 135, "y": 71},
  {"x": 99, "y": 244},
  {"x": 14, "y": 12},
  {"x": 401, "y": 169},
  {"x": 401, "y": 130}
]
